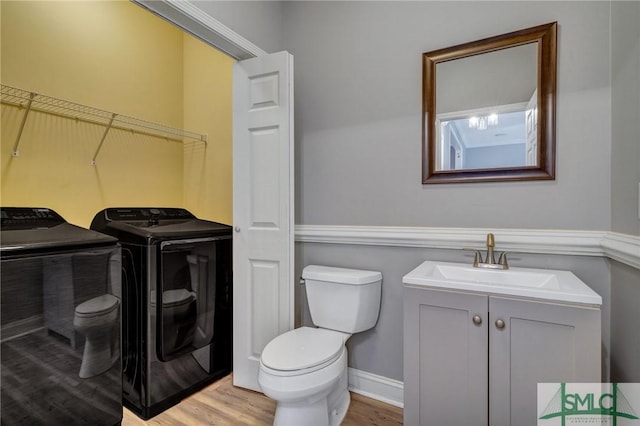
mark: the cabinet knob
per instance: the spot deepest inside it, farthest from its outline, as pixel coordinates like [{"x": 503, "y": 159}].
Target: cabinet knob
[
  {"x": 237, "y": 229},
  {"x": 477, "y": 319},
  {"x": 500, "y": 323}
]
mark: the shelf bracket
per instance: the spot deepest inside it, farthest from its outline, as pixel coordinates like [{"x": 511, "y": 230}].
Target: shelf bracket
[
  {"x": 15, "y": 151},
  {"x": 104, "y": 136}
]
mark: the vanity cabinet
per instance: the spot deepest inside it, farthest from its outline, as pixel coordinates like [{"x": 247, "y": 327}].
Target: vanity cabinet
[{"x": 476, "y": 359}]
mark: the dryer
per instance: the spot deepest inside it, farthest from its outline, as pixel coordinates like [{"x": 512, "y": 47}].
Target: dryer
[
  {"x": 177, "y": 303},
  {"x": 60, "y": 321}
]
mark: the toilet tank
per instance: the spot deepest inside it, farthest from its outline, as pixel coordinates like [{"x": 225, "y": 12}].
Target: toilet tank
[{"x": 341, "y": 299}]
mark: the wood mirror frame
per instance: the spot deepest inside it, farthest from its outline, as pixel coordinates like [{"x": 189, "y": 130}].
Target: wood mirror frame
[{"x": 545, "y": 36}]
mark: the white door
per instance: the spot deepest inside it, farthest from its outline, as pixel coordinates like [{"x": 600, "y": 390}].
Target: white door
[
  {"x": 263, "y": 302},
  {"x": 531, "y": 129}
]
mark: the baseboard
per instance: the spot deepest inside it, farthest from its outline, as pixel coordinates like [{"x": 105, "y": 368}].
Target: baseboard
[{"x": 376, "y": 387}]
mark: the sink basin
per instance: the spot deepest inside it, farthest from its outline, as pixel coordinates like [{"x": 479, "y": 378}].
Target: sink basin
[
  {"x": 561, "y": 286},
  {"x": 516, "y": 277}
]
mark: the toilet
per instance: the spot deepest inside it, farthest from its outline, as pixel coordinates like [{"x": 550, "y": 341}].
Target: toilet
[
  {"x": 95, "y": 319},
  {"x": 182, "y": 310},
  {"x": 305, "y": 370},
  {"x": 179, "y": 316},
  {"x": 205, "y": 299}
]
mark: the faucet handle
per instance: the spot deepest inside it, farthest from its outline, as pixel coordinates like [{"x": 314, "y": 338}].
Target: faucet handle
[
  {"x": 477, "y": 259},
  {"x": 502, "y": 260}
]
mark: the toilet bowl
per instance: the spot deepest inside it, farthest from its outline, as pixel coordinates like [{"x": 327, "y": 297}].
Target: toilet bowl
[
  {"x": 95, "y": 319},
  {"x": 178, "y": 318},
  {"x": 305, "y": 370},
  {"x": 205, "y": 298}
]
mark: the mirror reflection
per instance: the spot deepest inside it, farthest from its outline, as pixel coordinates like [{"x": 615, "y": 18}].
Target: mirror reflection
[
  {"x": 482, "y": 104},
  {"x": 489, "y": 109}
]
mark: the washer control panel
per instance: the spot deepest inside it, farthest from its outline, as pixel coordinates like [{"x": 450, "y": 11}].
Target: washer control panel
[
  {"x": 143, "y": 213},
  {"x": 28, "y": 218}
]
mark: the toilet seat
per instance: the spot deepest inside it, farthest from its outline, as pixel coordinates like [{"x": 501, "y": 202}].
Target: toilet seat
[
  {"x": 173, "y": 298},
  {"x": 302, "y": 351},
  {"x": 97, "y": 306}
]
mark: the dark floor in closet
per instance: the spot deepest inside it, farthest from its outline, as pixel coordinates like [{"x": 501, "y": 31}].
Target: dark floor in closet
[{"x": 40, "y": 385}]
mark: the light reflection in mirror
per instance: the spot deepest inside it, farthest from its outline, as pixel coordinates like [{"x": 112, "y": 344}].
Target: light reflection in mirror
[{"x": 492, "y": 137}]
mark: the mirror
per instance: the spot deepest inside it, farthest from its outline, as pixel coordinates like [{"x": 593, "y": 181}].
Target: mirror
[{"x": 488, "y": 109}]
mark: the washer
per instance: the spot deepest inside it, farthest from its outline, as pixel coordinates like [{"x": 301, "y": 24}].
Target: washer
[
  {"x": 177, "y": 303},
  {"x": 60, "y": 321}
]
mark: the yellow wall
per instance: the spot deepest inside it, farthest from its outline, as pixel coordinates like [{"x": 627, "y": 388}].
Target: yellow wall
[
  {"x": 207, "y": 106},
  {"x": 111, "y": 55}
]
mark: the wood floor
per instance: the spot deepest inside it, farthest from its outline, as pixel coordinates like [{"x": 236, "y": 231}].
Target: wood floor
[{"x": 223, "y": 404}]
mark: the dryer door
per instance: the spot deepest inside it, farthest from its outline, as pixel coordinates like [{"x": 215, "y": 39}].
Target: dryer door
[{"x": 185, "y": 299}]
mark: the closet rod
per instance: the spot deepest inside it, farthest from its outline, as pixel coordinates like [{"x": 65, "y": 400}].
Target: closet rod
[{"x": 47, "y": 104}]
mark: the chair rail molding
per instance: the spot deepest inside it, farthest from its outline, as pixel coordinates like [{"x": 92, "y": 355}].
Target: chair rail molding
[{"x": 623, "y": 248}]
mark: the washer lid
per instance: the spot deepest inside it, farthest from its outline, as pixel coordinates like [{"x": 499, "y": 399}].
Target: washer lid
[
  {"x": 36, "y": 231},
  {"x": 302, "y": 348},
  {"x": 98, "y": 305}
]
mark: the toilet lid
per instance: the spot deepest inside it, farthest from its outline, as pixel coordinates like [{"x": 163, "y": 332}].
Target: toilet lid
[
  {"x": 171, "y": 298},
  {"x": 302, "y": 348},
  {"x": 98, "y": 305}
]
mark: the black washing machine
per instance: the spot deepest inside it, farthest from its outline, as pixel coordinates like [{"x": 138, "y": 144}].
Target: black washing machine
[
  {"x": 60, "y": 321},
  {"x": 177, "y": 303}
]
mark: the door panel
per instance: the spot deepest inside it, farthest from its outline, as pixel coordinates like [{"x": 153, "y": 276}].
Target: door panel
[
  {"x": 531, "y": 131},
  {"x": 262, "y": 208},
  {"x": 265, "y": 169}
]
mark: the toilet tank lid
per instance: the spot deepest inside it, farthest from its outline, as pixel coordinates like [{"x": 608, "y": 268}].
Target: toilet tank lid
[{"x": 340, "y": 275}]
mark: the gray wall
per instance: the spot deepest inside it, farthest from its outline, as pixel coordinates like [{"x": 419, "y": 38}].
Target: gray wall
[
  {"x": 379, "y": 351},
  {"x": 358, "y": 137},
  {"x": 358, "y": 115},
  {"x": 625, "y": 176},
  {"x": 625, "y": 116},
  {"x": 260, "y": 22},
  {"x": 358, "y": 142},
  {"x": 502, "y": 77},
  {"x": 625, "y": 323}
]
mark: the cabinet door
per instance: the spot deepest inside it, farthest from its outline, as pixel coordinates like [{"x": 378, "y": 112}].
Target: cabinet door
[
  {"x": 445, "y": 358},
  {"x": 539, "y": 343}
]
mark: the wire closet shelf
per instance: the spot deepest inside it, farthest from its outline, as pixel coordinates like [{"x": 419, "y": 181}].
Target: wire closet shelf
[{"x": 31, "y": 101}]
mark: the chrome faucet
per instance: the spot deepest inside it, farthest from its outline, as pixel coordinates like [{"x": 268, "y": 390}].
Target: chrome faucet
[{"x": 490, "y": 260}]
